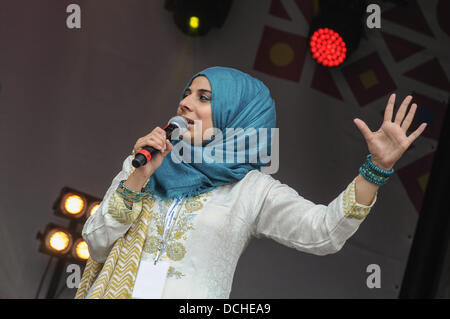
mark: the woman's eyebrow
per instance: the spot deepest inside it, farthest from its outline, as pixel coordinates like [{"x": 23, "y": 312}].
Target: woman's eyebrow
[{"x": 201, "y": 90}]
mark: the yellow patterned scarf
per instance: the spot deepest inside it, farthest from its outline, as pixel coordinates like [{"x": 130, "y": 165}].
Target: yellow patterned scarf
[{"x": 115, "y": 278}]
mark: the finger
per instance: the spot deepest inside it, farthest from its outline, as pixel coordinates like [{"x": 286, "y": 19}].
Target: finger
[
  {"x": 169, "y": 145},
  {"x": 138, "y": 142},
  {"x": 150, "y": 141},
  {"x": 417, "y": 133},
  {"x": 157, "y": 141},
  {"x": 156, "y": 134},
  {"x": 402, "y": 110},
  {"x": 389, "y": 108},
  {"x": 168, "y": 148},
  {"x": 137, "y": 148},
  {"x": 366, "y": 132},
  {"x": 408, "y": 119},
  {"x": 160, "y": 131}
]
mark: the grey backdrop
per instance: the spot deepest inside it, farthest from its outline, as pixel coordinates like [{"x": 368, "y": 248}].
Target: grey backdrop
[{"x": 73, "y": 103}]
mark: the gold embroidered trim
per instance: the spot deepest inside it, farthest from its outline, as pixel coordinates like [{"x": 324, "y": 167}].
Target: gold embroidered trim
[
  {"x": 352, "y": 209},
  {"x": 174, "y": 248},
  {"x": 121, "y": 212},
  {"x": 172, "y": 272}
]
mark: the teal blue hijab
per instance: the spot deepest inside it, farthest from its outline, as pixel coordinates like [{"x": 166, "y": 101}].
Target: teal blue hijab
[{"x": 238, "y": 101}]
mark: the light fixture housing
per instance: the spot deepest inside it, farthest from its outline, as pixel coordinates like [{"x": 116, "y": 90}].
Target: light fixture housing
[
  {"x": 336, "y": 31},
  {"x": 198, "y": 17},
  {"x": 74, "y": 205}
]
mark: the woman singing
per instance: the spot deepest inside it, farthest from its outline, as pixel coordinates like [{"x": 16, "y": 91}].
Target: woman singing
[{"x": 176, "y": 229}]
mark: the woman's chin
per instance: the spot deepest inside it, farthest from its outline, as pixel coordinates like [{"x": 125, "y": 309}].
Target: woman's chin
[{"x": 189, "y": 137}]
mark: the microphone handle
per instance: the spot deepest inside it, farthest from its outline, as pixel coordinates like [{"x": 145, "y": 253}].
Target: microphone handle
[
  {"x": 140, "y": 159},
  {"x": 146, "y": 153}
]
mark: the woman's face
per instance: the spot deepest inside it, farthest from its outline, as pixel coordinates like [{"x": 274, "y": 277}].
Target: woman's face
[{"x": 196, "y": 106}]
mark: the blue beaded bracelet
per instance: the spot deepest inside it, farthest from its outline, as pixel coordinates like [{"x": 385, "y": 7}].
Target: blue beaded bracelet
[
  {"x": 373, "y": 173},
  {"x": 381, "y": 171},
  {"x": 128, "y": 194}
]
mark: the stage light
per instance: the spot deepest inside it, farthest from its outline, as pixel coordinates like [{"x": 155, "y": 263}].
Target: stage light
[
  {"x": 74, "y": 204},
  {"x": 80, "y": 250},
  {"x": 55, "y": 241},
  {"x": 194, "y": 22},
  {"x": 198, "y": 17},
  {"x": 336, "y": 31},
  {"x": 328, "y": 47},
  {"x": 59, "y": 241},
  {"x": 93, "y": 208}
]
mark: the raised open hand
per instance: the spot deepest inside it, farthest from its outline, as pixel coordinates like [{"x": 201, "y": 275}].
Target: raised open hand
[{"x": 389, "y": 143}]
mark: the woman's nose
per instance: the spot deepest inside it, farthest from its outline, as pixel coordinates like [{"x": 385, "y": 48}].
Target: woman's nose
[{"x": 184, "y": 107}]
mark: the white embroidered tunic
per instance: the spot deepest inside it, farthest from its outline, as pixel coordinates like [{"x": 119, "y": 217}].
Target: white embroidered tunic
[{"x": 213, "y": 229}]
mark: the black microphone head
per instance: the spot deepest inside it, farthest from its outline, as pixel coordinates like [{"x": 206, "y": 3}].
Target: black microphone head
[{"x": 179, "y": 121}]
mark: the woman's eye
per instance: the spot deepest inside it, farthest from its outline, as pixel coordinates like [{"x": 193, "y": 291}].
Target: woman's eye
[{"x": 202, "y": 97}]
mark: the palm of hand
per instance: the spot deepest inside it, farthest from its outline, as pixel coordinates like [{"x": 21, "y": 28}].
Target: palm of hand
[{"x": 389, "y": 143}]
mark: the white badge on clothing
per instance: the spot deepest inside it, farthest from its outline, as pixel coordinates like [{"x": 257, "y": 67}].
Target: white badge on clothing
[{"x": 150, "y": 280}]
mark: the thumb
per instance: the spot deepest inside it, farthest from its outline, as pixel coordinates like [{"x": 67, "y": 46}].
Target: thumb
[{"x": 168, "y": 148}]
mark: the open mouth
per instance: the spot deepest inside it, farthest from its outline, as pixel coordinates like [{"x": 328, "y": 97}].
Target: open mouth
[{"x": 189, "y": 120}]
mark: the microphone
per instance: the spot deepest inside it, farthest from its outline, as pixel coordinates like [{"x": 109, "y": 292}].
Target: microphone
[{"x": 145, "y": 154}]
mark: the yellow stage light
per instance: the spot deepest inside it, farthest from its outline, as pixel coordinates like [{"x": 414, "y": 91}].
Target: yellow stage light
[
  {"x": 73, "y": 204},
  {"x": 81, "y": 250},
  {"x": 57, "y": 240},
  {"x": 194, "y": 22},
  {"x": 93, "y": 208},
  {"x": 198, "y": 17}
]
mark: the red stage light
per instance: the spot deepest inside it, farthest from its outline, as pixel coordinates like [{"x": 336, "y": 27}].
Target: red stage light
[{"x": 327, "y": 47}]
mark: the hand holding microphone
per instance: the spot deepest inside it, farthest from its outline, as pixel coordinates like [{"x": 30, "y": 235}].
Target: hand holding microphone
[
  {"x": 156, "y": 140},
  {"x": 151, "y": 149}
]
